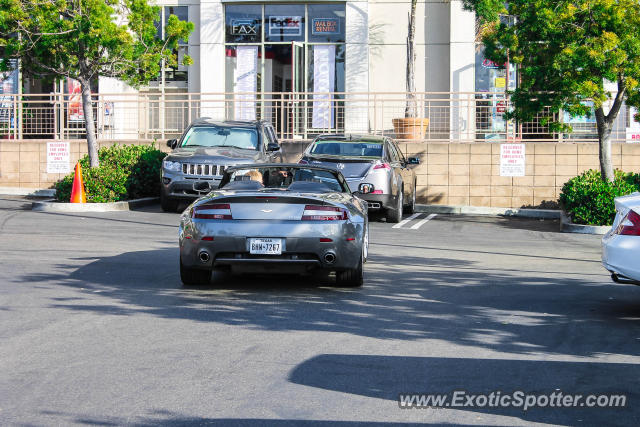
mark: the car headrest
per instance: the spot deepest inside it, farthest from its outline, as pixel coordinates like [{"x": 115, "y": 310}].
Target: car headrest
[{"x": 243, "y": 185}]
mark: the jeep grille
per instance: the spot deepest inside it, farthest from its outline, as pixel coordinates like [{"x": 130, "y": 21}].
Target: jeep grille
[{"x": 200, "y": 169}]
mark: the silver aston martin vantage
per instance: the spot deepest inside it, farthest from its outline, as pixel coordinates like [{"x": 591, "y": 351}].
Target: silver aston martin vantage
[{"x": 276, "y": 218}]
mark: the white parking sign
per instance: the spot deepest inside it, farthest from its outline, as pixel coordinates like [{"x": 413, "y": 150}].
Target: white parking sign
[
  {"x": 512, "y": 160},
  {"x": 58, "y": 157}
]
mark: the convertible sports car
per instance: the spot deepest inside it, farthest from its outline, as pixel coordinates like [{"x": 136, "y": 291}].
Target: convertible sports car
[
  {"x": 621, "y": 245},
  {"x": 278, "y": 218}
]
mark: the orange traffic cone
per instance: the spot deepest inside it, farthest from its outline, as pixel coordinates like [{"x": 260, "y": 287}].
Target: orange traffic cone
[{"x": 77, "y": 191}]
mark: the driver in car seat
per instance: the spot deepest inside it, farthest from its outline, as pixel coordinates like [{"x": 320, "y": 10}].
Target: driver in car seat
[{"x": 255, "y": 175}]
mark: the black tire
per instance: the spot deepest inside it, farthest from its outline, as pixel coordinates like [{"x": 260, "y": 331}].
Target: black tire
[
  {"x": 168, "y": 204},
  {"x": 194, "y": 276},
  {"x": 394, "y": 215},
  {"x": 411, "y": 207},
  {"x": 352, "y": 278}
]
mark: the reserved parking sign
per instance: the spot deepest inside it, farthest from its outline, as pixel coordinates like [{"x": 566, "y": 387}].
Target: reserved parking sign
[
  {"x": 58, "y": 157},
  {"x": 512, "y": 160}
]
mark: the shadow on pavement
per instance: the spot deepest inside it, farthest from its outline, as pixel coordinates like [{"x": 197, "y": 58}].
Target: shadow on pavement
[
  {"x": 167, "y": 418},
  {"x": 385, "y": 377},
  {"x": 501, "y": 310}
]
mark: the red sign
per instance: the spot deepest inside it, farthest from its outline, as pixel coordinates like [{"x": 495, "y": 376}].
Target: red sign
[{"x": 487, "y": 63}]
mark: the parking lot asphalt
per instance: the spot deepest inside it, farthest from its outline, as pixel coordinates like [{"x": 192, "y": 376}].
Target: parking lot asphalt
[{"x": 96, "y": 328}]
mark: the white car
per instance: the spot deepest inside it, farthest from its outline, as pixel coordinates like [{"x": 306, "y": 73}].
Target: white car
[{"x": 621, "y": 245}]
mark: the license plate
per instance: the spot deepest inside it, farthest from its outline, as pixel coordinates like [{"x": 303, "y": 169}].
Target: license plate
[{"x": 265, "y": 246}]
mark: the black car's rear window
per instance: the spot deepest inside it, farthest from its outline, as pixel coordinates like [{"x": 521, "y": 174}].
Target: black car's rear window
[
  {"x": 347, "y": 148},
  {"x": 221, "y": 136}
]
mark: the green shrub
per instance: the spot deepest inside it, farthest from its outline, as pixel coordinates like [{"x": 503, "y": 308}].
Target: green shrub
[
  {"x": 589, "y": 200},
  {"x": 125, "y": 172}
]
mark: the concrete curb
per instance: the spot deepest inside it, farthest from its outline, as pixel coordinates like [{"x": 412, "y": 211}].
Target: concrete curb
[
  {"x": 566, "y": 226},
  {"x": 476, "y": 210},
  {"x": 18, "y": 191},
  {"x": 51, "y": 206}
]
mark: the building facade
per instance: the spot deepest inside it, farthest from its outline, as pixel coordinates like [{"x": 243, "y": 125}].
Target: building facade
[
  {"x": 309, "y": 67},
  {"x": 258, "y": 56}
]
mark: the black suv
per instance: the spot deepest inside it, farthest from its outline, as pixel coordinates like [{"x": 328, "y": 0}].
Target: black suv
[{"x": 206, "y": 149}]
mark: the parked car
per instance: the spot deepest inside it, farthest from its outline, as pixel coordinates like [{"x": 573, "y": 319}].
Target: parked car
[
  {"x": 621, "y": 245},
  {"x": 373, "y": 166},
  {"x": 276, "y": 218},
  {"x": 205, "y": 149}
]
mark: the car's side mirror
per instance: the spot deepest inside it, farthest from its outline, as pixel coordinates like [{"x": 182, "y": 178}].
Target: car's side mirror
[
  {"x": 365, "y": 188},
  {"x": 413, "y": 160},
  {"x": 172, "y": 143},
  {"x": 272, "y": 146}
]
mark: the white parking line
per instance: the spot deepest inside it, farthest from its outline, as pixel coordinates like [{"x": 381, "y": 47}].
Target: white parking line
[
  {"x": 422, "y": 222},
  {"x": 404, "y": 221}
]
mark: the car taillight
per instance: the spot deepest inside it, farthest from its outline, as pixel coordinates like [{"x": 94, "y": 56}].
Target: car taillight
[
  {"x": 630, "y": 225},
  {"x": 323, "y": 213},
  {"x": 382, "y": 166},
  {"x": 213, "y": 211}
]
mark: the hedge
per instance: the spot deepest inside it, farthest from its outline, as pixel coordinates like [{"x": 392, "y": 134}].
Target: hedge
[
  {"x": 588, "y": 199},
  {"x": 125, "y": 172}
]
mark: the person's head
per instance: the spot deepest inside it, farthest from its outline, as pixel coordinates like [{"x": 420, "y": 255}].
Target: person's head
[{"x": 255, "y": 175}]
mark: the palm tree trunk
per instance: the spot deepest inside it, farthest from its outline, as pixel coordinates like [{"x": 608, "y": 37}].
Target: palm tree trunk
[
  {"x": 411, "y": 109},
  {"x": 604, "y": 141},
  {"x": 90, "y": 126}
]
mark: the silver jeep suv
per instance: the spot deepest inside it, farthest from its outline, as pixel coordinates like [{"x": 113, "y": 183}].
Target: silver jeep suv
[{"x": 205, "y": 150}]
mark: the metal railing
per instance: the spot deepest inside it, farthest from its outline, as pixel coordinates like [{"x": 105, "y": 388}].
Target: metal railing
[{"x": 453, "y": 117}]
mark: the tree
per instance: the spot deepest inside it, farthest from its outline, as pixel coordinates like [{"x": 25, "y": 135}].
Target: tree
[
  {"x": 567, "y": 51},
  {"x": 411, "y": 109},
  {"x": 85, "y": 39}
]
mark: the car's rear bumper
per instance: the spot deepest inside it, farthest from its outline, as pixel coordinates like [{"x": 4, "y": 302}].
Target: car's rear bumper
[
  {"x": 302, "y": 249},
  {"x": 242, "y": 262},
  {"x": 378, "y": 201},
  {"x": 620, "y": 255}
]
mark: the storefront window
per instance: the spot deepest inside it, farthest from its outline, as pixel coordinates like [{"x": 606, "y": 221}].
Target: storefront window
[
  {"x": 334, "y": 62},
  {"x": 327, "y": 23},
  {"x": 275, "y": 52},
  {"x": 243, "y": 23},
  {"x": 492, "y": 77},
  {"x": 179, "y": 72},
  {"x": 284, "y": 22}
]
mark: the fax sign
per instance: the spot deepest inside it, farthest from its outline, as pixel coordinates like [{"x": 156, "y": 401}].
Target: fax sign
[{"x": 244, "y": 27}]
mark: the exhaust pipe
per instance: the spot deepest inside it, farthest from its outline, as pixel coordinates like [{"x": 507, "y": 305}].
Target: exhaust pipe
[
  {"x": 618, "y": 278},
  {"x": 204, "y": 256},
  {"x": 329, "y": 257}
]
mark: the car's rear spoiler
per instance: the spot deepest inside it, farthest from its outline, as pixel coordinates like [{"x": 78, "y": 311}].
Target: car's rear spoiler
[{"x": 630, "y": 201}]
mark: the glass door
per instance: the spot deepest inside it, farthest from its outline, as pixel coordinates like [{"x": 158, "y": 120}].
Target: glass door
[{"x": 298, "y": 96}]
